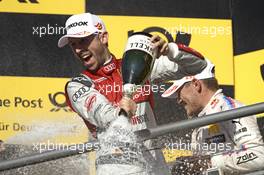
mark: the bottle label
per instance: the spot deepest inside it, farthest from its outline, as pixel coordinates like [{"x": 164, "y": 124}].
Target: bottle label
[{"x": 140, "y": 42}]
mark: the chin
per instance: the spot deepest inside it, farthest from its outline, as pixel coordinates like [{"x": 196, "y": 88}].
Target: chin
[
  {"x": 189, "y": 113},
  {"x": 92, "y": 69}
]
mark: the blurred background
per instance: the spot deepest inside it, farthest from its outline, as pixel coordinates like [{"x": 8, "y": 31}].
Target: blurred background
[{"x": 33, "y": 70}]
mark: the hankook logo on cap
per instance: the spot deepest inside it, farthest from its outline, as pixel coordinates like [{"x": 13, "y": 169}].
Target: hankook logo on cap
[{"x": 81, "y": 23}]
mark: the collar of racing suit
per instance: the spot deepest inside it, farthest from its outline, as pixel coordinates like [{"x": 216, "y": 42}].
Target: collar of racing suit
[
  {"x": 109, "y": 67},
  {"x": 211, "y": 102}
]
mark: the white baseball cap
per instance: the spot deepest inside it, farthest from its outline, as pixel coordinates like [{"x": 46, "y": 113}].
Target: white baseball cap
[
  {"x": 81, "y": 25},
  {"x": 208, "y": 72}
]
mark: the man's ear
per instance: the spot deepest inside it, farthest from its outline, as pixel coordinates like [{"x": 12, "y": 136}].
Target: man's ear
[
  {"x": 197, "y": 85},
  {"x": 104, "y": 37}
]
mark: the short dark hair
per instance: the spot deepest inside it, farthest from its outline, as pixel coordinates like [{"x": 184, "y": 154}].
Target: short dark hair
[{"x": 211, "y": 83}]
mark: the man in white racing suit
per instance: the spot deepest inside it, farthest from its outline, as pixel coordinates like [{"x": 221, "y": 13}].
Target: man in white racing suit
[
  {"x": 96, "y": 96},
  {"x": 235, "y": 146}
]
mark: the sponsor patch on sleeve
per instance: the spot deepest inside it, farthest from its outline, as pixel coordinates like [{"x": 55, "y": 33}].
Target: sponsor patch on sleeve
[
  {"x": 246, "y": 158},
  {"x": 216, "y": 139},
  {"x": 79, "y": 93},
  {"x": 83, "y": 79}
]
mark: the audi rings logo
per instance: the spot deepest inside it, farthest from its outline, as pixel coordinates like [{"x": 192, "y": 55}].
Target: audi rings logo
[
  {"x": 110, "y": 67},
  {"x": 59, "y": 104},
  {"x": 79, "y": 93}
]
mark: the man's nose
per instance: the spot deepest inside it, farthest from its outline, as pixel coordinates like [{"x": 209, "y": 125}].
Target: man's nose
[{"x": 77, "y": 47}]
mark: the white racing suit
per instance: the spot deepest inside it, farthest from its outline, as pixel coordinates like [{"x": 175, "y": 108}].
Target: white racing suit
[
  {"x": 95, "y": 98},
  {"x": 236, "y": 146}
]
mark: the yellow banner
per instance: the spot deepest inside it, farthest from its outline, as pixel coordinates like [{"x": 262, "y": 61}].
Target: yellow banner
[
  {"x": 43, "y": 6},
  {"x": 211, "y": 37},
  {"x": 249, "y": 77},
  {"x": 34, "y": 110}
]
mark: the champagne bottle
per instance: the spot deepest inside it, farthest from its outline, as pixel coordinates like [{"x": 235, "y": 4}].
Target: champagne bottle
[{"x": 138, "y": 58}]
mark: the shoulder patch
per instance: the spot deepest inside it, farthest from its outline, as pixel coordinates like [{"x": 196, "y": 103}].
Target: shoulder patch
[
  {"x": 83, "y": 79},
  {"x": 230, "y": 102}
]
